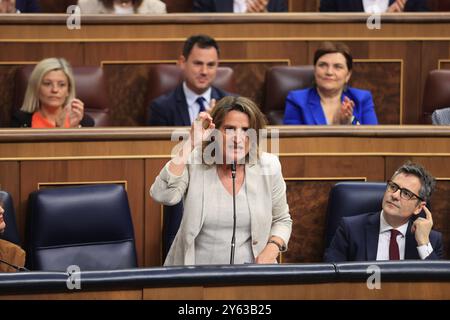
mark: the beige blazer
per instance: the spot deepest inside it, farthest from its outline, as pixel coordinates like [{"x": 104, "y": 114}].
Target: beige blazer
[
  {"x": 266, "y": 194},
  {"x": 147, "y": 7}
]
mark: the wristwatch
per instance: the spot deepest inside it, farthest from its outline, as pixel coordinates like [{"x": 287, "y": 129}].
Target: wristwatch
[{"x": 282, "y": 248}]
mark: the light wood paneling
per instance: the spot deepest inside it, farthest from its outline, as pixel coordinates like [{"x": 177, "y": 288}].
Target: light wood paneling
[
  {"x": 311, "y": 291},
  {"x": 79, "y": 295},
  {"x": 180, "y": 293},
  {"x": 350, "y": 291}
]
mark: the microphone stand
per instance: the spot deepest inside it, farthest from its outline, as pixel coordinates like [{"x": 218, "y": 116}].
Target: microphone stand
[{"x": 233, "y": 238}]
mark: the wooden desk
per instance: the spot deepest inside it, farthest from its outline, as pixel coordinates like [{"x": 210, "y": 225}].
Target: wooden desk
[{"x": 313, "y": 159}]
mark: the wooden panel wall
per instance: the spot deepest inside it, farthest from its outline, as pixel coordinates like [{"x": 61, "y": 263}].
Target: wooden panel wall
[
  {"x": 393, "y": 63},
  {"x": 356, "y": 290},
  {"x": 311, "y": 162},
  {"x": 128, "y": 82},
  {"x": 176, "y": 6}
]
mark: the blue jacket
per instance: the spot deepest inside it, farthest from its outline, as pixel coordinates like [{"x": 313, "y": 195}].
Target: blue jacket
[
  {"x": 27, "y": 6},
  {"x": 303, "y": 107},
  {"x": 357, "y": 5},
  {"x": 227, "y": 6},
  {"x": 356, "y": 239},
  {"x": 172, "y": 109}
]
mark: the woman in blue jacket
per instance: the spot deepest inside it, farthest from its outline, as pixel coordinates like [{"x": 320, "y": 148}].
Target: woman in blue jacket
[{"x": 330, "y": 101}]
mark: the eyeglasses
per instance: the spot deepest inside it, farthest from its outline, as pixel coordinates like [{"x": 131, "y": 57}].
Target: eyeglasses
[{"x": 404, "y": 193}]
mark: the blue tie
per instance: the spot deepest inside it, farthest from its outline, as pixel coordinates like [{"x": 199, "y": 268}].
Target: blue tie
[{"x": 201, "y": 102}]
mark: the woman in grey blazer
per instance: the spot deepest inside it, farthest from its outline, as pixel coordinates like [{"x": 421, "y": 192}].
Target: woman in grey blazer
[{"x": 201, "y": 175}]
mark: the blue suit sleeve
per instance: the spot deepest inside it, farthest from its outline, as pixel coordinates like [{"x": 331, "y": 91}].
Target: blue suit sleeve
[
  {"x": 438, "y": 251},
  {"x": 28, "y": 6},
  {"x": 339, "y": 247},
  {"x": 34, "y": 6},
  {"x": 368, "y": 111},
  {"x": 156, "y": 117},
  {"x": 278, "y": 6},
  {"x": 416, "y": 5},
  {"x": 328, "y": 6},
  {"x": 292, "y": 114},
  {"x": 203, "y": 6}
]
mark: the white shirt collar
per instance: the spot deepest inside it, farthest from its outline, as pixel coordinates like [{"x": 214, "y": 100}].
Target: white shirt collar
[
  {"x": 191, "y": 96},
  {"x": 239, "y": 6},
  {"x": 375, "y": 6},
  {"x": 191, "y": 100},
  {"x": 385, "y": 226}
]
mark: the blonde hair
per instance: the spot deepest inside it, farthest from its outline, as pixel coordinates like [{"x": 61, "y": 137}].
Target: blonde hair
[{"x": 31, "y": 101}]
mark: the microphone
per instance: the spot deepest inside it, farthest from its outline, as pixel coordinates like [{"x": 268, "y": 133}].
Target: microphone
[
  {"x": 233, "y": 238},
  {"x": 18, "y": 268}
]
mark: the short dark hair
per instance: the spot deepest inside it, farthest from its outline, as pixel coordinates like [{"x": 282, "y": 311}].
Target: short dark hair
[
  {"x": 334, "y": 47},
  {"x": 202, "y": 41},
  {"x": 427, "y": 181}
]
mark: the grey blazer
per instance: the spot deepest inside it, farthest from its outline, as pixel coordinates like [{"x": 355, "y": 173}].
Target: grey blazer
[{"x": 266, "y": 194}]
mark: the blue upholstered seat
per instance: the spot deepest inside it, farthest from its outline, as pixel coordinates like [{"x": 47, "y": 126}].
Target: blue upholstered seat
[{"x": 88, "y": 226}]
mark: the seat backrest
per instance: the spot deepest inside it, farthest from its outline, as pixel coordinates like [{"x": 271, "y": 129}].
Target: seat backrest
[
  {"x": 9, "y": 216},
  {"x": 90, "y": 88},
  {"x": 436, "y": 94},
  {"x": 350, "y": 199},
  {"x": 172, "y": 216},
  {"x": 163, "y": 78},
  {"x": 89, "y": 226},
  {"x": 279, "y": 81}
]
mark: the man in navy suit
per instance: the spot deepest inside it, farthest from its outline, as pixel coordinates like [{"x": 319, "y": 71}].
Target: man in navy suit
[
  {"x": 240, "y": 6},
  {"x": 199, "y": 62},
  {"x": 395, "y": 233},
  {"x": 19, "y": 6},
  {"x": 365, "y": 6}
]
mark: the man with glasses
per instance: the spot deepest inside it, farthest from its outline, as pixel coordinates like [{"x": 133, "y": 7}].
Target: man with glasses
[{"x": 397, "y": 232}]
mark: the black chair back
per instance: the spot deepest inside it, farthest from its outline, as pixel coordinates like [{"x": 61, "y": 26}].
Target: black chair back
[
  {"x": 88, "y": 226},
  {"x": 350, "y": 199}
]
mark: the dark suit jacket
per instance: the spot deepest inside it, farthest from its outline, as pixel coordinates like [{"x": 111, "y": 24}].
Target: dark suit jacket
[
  {"x": 21, "y": 119},
  {"x": 172, "y": 109},
  {"x": 357, "y": 5},
  {"x": 227, "y": 6},
  {"x": 356, "y": 239},
  {"x": 27, "y": 6}
]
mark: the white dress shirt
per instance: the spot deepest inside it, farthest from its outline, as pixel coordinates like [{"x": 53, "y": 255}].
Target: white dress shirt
[
  {"x": 385, "y": 237},
  {"x": 240, "y": 6},
  {"x": 375, "y": 6},
  {"x": 191, "y": 100}
]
